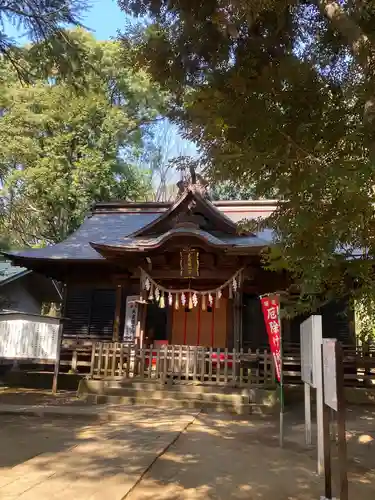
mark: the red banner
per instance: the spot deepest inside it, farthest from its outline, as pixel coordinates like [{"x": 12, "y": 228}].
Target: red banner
[{"x": 271, "y": 314}]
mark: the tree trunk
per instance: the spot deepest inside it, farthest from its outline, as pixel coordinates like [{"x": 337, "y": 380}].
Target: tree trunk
[{"x": 363, "y": 52}]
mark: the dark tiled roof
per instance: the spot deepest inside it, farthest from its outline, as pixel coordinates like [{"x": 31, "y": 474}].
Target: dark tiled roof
[
  {"x": 218, "y": 240},
  {"x": 111, "y": 223},
  {"x": 101, "y": 228}
]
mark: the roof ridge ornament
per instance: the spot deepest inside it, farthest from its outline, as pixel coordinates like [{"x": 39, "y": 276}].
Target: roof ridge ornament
[{"x": 191, "y": 182}]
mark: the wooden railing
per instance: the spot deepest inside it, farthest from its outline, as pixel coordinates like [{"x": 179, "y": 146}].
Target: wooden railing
[
  {"x": 251, "y": 367},
  {"x": 116, "y": 360},
  {"x": 359, "y": 365},
  {"x": 98, "y": 359}
]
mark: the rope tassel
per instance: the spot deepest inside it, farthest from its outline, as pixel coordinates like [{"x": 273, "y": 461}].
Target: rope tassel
[{"x": 188, "y": 296}]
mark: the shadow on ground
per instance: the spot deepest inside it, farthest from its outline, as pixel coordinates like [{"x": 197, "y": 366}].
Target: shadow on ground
[
  {"x": 222, "y": 458},
  {"x": 216, "y": 457}
]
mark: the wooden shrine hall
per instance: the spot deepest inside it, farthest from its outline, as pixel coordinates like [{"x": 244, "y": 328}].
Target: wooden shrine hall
[
  {"x": 145, "y": 272},
  {"x": 168, "y": 274}
]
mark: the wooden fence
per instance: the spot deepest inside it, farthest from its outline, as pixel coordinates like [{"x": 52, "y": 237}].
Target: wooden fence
[
  {"x": 98, "y": 359},
  {"x": 251, "y": 367},
  {"x": 117, "y": 360}
]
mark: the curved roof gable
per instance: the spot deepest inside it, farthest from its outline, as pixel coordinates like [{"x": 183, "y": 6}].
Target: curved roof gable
[
  {"x": 147, "y": 243},
  {"x": 190, "y": 202}
]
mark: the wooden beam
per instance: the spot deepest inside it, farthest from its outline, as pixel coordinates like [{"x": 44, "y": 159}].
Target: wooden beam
[
  {"x": 59, "y": 343},
  {"x": 171, "y": 274},
  {"x": 141, "y": 323},
  {"x": 116, "y": 324}
]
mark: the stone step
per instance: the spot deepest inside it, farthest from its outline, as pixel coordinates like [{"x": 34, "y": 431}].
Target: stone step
[
  {"x": 99, "y": 386},
  {"x": 167, "y": 402},
  {"x": 170, "y": 393}
]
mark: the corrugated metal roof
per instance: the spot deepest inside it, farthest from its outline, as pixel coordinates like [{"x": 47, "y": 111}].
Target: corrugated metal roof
[{"x": 9, "y": 273}]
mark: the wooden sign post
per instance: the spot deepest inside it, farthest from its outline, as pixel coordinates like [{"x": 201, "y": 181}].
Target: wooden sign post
[
  {"x": 334, "y": 398},
  {"x": 311, "y": 366},
  {"x": 307, "y": 374}
]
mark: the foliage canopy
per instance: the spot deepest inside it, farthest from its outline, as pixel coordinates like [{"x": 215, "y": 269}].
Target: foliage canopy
[
  {"x": 280, "y": 94},
  {"x": 61, "y": 150},
  {"x": 44, "y": 23}
]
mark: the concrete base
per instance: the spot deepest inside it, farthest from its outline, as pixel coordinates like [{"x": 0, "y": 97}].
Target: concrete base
[{"x": 240, "y": 401}]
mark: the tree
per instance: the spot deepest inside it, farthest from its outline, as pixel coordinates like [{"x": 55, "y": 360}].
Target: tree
[
  {"x": 279, "y": 94},
  {"x": 60, "y": 150},
  {"x": 229, "y": 190},
  {"x": 45, "y": 24},
  {"x": 164, "y": 150}
]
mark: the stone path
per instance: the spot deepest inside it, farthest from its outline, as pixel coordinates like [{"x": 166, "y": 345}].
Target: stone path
[
  {"x": 55, "y": 459},
  {"x": 148, "y": 453}
]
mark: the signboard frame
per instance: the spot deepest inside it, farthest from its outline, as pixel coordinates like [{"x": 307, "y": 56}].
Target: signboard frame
[
  {"x": 334, "y": 398},
  {"x": 311, "y": 331},
  {"x": 131, "y": 318},
  {"x": 307, "y": 367}
]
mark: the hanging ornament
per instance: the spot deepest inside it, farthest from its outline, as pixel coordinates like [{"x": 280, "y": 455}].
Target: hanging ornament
[
  {"x": 147, "y": 284},
  {"x": 218, "y": 297},
  {"x": 234, "y": 284},
  {"x": 210, "y": 300},
  {"x": 204, "y": 307},
  {"x": 183, "y": 299},
  {"x": 195, "y": 300},
  {"x": 162, "y": 301},
  {"x": 157, "y": 293},
  {"x": 177, "y": 302},
  {"x": 151, "y": 294},
  {"x": 170, "y": 299},
  {"x": 230, "y": 293},
  {"x": 190, "y": 302}
]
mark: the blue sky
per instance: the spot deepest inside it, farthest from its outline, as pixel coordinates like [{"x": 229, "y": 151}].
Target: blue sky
[{"x": 104, "y": 18}]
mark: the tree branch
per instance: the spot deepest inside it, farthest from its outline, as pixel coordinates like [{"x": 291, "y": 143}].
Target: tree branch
[{"x": 349, "y": 29}]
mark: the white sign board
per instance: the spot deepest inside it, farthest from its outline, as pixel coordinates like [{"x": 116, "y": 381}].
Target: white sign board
[
  {"x": 28, "y": 339},
  {"x": 131, "y": 318},
  {"x": 329, "y": 373},
  {"x": 307, "y": 371},
  {"x": 312, "y": 375}
]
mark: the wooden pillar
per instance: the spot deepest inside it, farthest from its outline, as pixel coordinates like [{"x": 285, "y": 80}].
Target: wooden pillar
[
  {"x": 237, "y": 320},
  {"x": 213, "y": 325},
  {"x": 59, "y": 342},
  {"x": 199, "y": 308},
  {"x": 169, "y": 323},
  {"x": 117, "y": 320},
  {"x": 240, "y": 320},
  {"x": 185, "y": 325},
  {"x": 141, "y": 324}
]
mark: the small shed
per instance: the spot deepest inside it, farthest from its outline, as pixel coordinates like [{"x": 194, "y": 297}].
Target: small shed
[{"x": 25, "y": 291}]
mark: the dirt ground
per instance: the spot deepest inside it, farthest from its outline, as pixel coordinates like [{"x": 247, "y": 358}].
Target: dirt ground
[
  {"x": 170, "y": 455},
  {"x": 15, "y": 396},
  {"x": 221, "y": 458}
]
